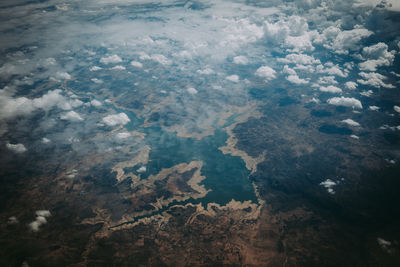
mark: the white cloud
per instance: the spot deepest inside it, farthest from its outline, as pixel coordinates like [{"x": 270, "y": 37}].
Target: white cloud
[
  {"x": 136, "y": 64},
  {"x": 330, "y": 89},
  {"x": 376, "y": 55},
  {"x": 206, "y": 71},
  {"x": 95, "y": 68},
  {"x": 12, "y": 220},
  {"x": 95, "y": 80},
  {"x": 156, "y": 57},
  {"x": 374, "y": 108},
  {"x": 95, "y": 103},
  {"x": 350, "y": 122},
  {"x": 345, "y": 102},
  {"x": 293, "y": 78},
  {"x": 117, "y": 119},
  {"x": 299, "y": 59},
  {"x": 45, "y": 140},
  {"x": 329, "y": 184},
  {"x": 351, "y": 85},
  {"x": 71, "y": 116},
  {"x": 111, "y": 59},
  {"x": 118, "y": 67},
  {"x": 233, "y": 78},
  {"x": 63, "y": 75},
  {"x": 327, "y": 80},
  {"x": 266, "y": 72},
  {"x": 288, "y": 70},
  {"x": 122, "y": 135},
  {"x": 396, "y": 108},
  {"x": 366, "y": 93},
  {"x": 354, "y": 136},
  {"x": 16, "y": 148},
  {"x": 332, "y": 70},
  {"x": 192, "y": 90},
  {"x": 40, "y": 220},
  {"x": 142, "y": 169},
  {"x": 373, "y": 79},
  {"x": 240, "y": 60},
  {"x": 342, "y": 42}
]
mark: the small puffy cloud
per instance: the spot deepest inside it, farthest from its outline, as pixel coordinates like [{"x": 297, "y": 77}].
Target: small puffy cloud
[
  {"x": 41, "y": 216},
  {"x": 117, "y": 119},
  {"x": 12, "y": 220},
  {"x": 142, "y": 169},
  {"x": 240, "y": 60},
  {"x": 350, "y": 122},
  {"x": 299, "y": 59},
  {"x": 293, "y": 78},
  {"x": 330, "y": 89},
  {"x": 374, "y": 108},
  {"x": 329, "y": 185},
  {"x": 384, "y": 244},
  {"x": 136, "y": 64},
  {"x": 156, "y": 57},
  {"x": 16, "y": 148},
  {"x": 266, "y": 72},
  {"x": 192, "y": 91},
  {"x": 95, "y": 103},
  {"x": 95, "y": 80},
  {"x": 396, "y": 108},
  {"x": 72, "y": 174},
  {"x": 71, "y": 116},
  {"x": 376, "y": 55},
  {"x": 122, "y": 135},
  {"x": 233, "y": 78},
  {"x": 63, "y": 75},
  {"x": 288, "y": 70},
  {"x": 95, "y": 68},
  {"x": 111, "y": 59},
  {"x": 373, "y": 79},
  {"x": 351, "y": 85},
  {"x": 206, "y": 71},
  {"x": 118, "y": 67},
  {"x": 327, "y": 80},
  {"x": 45, "y": 140},
  {"x": 354, "y": 136},
  {"x": 367, "y": 93},
  {"x": 332, "y": 70},
  {"x": 345, "y": 102}
]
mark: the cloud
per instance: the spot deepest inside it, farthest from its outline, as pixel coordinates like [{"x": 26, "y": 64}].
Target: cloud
[
  {"x": 332, "y": 70},
  {"x": 343, "y": 42},
  {"x": 117, "y": 119},
  {"x": 374, "y": 108},
  {"x": 71, "y": 116},
  {"x": 354, "y": 136},
  {"x": 396, "y": 108},
  {"x": 11, "y": 107},
  {"x": 192, "y": 91},
  {"x": 299, "y": 59},
  {"x": 142, "y": 169},
  {"x": 40, "y": 220},
  {"x": 111, "y": 59},
  {"x": 266, "y": 72},
  {"x": 330, "y": 89},
  {"x": 95, "y": 68},
  {"x": 16, "y": 148},
  {"x": 156, "y": 57},
  {"x": 240, "y": 60},
  {"x": 136, "y": 64},
  {"x": 46, "y": 140},
  {"x": 351, "y": 122},
  {"x": 329, "y": 184},
  {"x": 118, "y": 67},
  {"x": 206, "y": 71},
  {"x": 345, "y": 102},
  {"x": 122, "y": 135},
  {"x": 95, "y": 103},
  {"x": 63, "y": 75},
  {"x": 232, "y": 78},
  {"x": 376, "y": 56},
  {"x": 12, "y": 220},
  {"x": 293, "y": 78},
  {"x": 351, "y": 85},
  {"x": 373, "y": 79}
]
